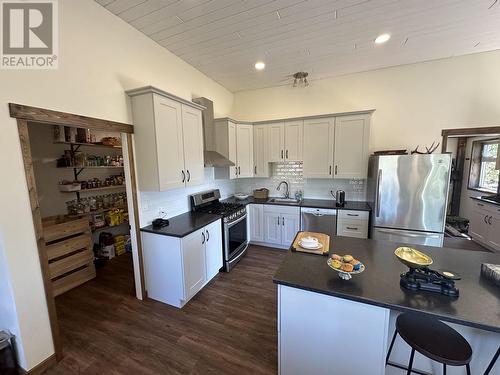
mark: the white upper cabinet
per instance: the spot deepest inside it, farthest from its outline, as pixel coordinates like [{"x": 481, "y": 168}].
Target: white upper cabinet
[
  {"x": 235, "y": 141},
  {"x": 336, "y": 147},
  {"x": 244, "y": 150},
  {"x": 293, "y": 140},
  {"x": 231, "y": 129},
  {"x": 276, "y": 141},
  {"x": 351, "y": 146},
  {"x": 168, "y": 137},
  {"x": 169, "y": 146},
  {"x": 318, "y": 147},
  {"x": 193, "y": 145},
  {"x": 261, "y": 150},
  {"x": 285, "y": 140}
]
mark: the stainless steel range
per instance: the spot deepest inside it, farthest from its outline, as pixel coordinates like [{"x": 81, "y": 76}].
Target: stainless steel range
[{"x": 234, "y": 230}]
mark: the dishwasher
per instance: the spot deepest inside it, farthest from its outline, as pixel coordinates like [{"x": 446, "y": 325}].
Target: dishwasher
[{"x": 320, "y": 220}]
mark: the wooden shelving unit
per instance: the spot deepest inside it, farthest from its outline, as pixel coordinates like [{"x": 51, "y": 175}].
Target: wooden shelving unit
[{"x": 68, "y": 245}]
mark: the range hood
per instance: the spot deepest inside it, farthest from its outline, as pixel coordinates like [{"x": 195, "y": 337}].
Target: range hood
[{"x": 211, "y": 157}]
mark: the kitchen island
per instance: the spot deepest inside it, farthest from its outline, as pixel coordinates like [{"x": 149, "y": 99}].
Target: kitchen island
[{"x": 331, "y": 326}]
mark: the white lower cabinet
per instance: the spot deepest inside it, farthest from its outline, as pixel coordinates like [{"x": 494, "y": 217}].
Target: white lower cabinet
[
  {"x": 273, "y": 225},
  {"x": 484, "y": 225},
  {"x": 352, "y": 223},
  {"x": 256, "y": 220},
  {"x": 178, "y": 268}
]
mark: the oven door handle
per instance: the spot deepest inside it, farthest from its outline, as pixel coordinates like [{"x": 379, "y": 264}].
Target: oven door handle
[{"x": 229, "y": 225}]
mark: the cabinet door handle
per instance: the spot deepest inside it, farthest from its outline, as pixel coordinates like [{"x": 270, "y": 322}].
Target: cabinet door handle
[
  {"x": 480, "y": 204},
  {"x": 255, "y": 170},
  {"x": 352, "y": 228},
  {"x": 330, "y": 170},
  {"x": 278, "y": 220},
  {"x": 336, "y": 170},
  {"x": 489, "y": 220},
  {"x": 486, "y": 219},
  {"x": 283, "y": 221},
  {"x": 282, "y": 154},
  {"x": 203, "y": 237},
  {"x": 208, "y": 235},
  {"x": 183, "y": 176},
  {"x": 189, "y": 175},
  {"x": 287, "y": 154}
]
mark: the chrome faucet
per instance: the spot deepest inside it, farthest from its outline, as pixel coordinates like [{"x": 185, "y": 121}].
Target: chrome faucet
[{"x": 287, "y": 192}]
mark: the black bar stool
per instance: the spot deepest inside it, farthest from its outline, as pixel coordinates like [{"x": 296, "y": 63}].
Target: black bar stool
[{"x": 433, "y": 339}]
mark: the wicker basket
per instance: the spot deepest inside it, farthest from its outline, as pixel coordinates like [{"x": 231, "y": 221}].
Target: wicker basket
[{"x": 261, "y": 193}]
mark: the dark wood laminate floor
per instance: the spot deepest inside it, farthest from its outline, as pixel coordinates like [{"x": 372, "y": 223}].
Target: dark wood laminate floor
[{"x": 227, "y": 328}]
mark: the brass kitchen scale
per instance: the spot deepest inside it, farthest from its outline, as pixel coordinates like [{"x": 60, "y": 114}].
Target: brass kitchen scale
[{"x": 421, "y": 277}]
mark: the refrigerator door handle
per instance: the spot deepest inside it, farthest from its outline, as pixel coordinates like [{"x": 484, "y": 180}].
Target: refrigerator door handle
[
  {"x": 412, "y": 235},
  {"x": 379, "y": 178}
]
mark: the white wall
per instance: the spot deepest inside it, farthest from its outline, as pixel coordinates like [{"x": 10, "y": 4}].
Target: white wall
[
  {"x": 8, "y": 315},
  {"x": 413, "y": 102},
  {"x": 100, "y": 58}
]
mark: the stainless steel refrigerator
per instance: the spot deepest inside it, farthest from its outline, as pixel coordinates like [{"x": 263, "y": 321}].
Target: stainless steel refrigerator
[{"x": 409, "y": 195}]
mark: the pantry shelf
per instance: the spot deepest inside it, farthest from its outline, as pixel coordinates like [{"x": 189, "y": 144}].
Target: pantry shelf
[
  {"x": 104, "y": 188},
  {"x": 95, "y": 230},
  {"x": 98, "y": 167},
  {"x": 87, "y": 144},
  {"x": 96, "y": 212}
]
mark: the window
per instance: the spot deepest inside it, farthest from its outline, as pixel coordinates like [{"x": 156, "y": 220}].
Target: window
[{"x": 483, "y": 172}]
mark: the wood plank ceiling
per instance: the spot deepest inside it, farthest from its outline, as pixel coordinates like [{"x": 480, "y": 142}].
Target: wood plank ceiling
[{"x": 224, "y": 38}]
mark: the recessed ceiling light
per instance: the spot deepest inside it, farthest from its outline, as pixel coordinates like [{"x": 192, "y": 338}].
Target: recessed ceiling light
[
  {"x": 259, "y": 65},
  {"x": 382, "y": 38}
]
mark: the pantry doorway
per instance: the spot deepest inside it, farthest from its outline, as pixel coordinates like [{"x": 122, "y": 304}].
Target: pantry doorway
[{"x": 81, "y": 179}]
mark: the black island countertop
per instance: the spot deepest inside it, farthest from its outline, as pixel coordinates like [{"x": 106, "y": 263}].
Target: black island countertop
[
  {"x": 477, "y": 306},
  {"x": 314, "y": 203},
  {"x": 184, "y": 224}
]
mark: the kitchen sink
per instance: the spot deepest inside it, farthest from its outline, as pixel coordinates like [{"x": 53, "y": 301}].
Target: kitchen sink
[{"x": 290, "y": 201}]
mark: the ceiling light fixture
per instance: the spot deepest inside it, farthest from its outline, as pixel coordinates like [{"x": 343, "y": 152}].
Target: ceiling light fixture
[
  {"x": 382, "y": 38},
  {"x": 259, "y": 65}
]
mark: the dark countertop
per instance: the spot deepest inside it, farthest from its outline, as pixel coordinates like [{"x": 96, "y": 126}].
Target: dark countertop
[
  {"x": 315, "y": 203},
  {"x": 184, "y": 224},
  {"x": 477, "y": 306},
  {"x": 487, "y": 201}
]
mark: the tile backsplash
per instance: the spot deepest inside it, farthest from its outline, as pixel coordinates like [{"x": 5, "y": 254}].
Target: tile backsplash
[
  {"x": 176, "y": 201},
  {"x": 312, "y": 188}
]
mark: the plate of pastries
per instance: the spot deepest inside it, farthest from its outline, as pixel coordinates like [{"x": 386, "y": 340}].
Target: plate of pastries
[{"x": 345, "y": 265}]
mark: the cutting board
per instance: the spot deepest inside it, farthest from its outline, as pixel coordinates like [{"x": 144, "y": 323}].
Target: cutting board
[{"x": 324, "y": 239}]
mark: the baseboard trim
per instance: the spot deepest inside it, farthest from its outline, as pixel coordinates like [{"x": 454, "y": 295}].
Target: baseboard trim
[{"x": 42, "y": 366}]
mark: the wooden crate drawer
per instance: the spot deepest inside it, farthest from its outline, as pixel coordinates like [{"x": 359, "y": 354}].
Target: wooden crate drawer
[
  {"x": 68, "y": 246},
  {"x": 73, "y": 280},
  {"x": 52, "y": 232},
  {"x": 354, "y": 228},
  {"x": 70, "y": 263},
  {"x": 353, "y": 215}
]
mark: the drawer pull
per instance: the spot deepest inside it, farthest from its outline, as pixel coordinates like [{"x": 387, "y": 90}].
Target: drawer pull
[
  {"x": 352, "y": 228},
  {"x": 352, "y": 214}
]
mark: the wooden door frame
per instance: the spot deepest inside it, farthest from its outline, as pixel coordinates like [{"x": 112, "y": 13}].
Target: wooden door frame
[
  {"x": 26, "y": 114},
  {"x": 466, "y": 132}
]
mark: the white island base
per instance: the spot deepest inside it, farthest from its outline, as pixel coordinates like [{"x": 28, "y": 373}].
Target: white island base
[{"x": 323, "y": 335}]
